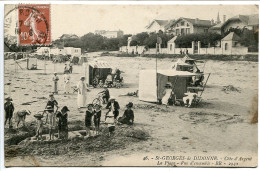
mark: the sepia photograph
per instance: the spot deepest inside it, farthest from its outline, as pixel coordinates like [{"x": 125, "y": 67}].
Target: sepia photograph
[{"x": 130, "y": 85}]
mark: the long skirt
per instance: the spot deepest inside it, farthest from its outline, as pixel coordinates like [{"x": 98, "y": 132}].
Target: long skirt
[
  {"x": 55, "y": 87},
  {"x": 67, "y": 87},
  {"x": 81, "y": 100}
]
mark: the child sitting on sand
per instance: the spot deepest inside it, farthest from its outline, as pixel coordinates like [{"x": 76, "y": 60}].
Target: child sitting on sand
[{"x": 128, "y": 117}]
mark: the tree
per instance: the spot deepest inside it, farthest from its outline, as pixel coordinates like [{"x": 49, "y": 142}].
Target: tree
[
  {"x": 205, "y": 39},
  {"x": 124, "y": 40},
  {"x": 139, "y": 39}
]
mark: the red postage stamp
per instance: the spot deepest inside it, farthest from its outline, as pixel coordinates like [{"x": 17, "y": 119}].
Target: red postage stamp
[{"x": 34, "y": 24}]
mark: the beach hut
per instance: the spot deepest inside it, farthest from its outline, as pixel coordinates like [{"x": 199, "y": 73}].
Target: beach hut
[
  {"x": 97, "y": 68},
  {"x": 31, "y": 63},
  {"x": 152, "y": 85}
]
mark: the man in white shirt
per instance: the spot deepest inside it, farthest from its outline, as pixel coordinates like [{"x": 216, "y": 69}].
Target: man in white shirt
[{"x": 188, "y": 98}]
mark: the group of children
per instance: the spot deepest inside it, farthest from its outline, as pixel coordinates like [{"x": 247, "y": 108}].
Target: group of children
[{"x": 56, "y": 119}]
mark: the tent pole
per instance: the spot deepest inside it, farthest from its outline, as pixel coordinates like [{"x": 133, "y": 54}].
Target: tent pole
[
  {"x": 205, "y": 85},
  {"x": 156, "y": 71}
]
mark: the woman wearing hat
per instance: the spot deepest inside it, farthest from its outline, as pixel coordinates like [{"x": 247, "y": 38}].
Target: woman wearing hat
[
  {"x": 9, "y": 110},
  {"x": 128, "y": 117},
  {"x": 51, "y": 119},
  {"x": 82, "y": 92},
  {"x": 167, "y": 93},
  {"x": 55, "y": 80},
  {"x": 88, "y": 119},
  {"x": 63, "y": 123}
]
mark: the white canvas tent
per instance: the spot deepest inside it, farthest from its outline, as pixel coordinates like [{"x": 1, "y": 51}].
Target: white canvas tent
[{"x": 149, "y": 90}]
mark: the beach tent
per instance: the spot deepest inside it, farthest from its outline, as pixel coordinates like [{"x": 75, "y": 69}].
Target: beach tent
[
  {"x": 188, "y": 60},
  {"x": 97, "y": 68},
  {"x": 149, "y": 90},
  {"x": 82, "y": 59},
  {"x": 180, "y": 65}
]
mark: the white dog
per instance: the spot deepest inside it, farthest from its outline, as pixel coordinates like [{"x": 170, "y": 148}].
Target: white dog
[{"x": 20, "y": 116}]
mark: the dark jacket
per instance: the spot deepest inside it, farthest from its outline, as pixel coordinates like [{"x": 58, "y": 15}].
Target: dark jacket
[
  {"x": 63, "y": 121},
  {"x": 9, "y": 109},
  {"x": 88, "y": 118},
  {"x": 116, "y": 107},
  {"x": 106, "y": 94},
  {"x": 128, "y": 117}
]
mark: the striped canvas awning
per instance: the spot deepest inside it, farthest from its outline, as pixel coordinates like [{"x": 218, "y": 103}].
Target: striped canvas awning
[{"x": 100, "y": 64}]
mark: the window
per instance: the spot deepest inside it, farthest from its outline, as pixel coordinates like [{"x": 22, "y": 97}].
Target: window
[
  {"x": 177, "y": 25},
  {"x": 177, "y": 31},
  {"x": 188, "y": 25},
  {"x": 171, "y": 47},
  {"x": 226, "y": 46},
  {"x": 182, "y": 23},
  {"x": 182, "y": 31},
  {"x": 187, "y": 30}
]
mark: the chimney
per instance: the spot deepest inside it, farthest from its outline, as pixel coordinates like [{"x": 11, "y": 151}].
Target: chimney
[
  {"x": 224, "y": 18},
  {"x": 212, "y": 22}
]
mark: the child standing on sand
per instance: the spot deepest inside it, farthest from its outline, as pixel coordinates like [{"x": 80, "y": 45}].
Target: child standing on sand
[
  {"x": 88, "y": 119},
  {"x": 63, "y": 123},
  {"x": 97, "y": 116},
  {"x": 39, "y": 126},
  {"x": 110, "y": 121}
]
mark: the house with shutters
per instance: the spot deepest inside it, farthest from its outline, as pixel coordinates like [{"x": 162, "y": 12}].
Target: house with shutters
[{"x": 183, "y": 26}]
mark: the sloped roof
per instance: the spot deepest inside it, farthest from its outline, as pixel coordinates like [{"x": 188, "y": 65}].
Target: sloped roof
[
  {"x": 253, "y": 19},
  {"x": 160, "y": 22},
  {"x": 199, "y": 22},
  {"x": 231, "y": 36},
  {"x": 68, "y": 36},
  {"x": 217, "y": 26},
  {"x": 195, "y": 22},
  {"x": 172, "y": 40},
  {"x": 187, "y": 58},
  {"x": 168, "y": 25},
  {"x": 250, "y": 20}
]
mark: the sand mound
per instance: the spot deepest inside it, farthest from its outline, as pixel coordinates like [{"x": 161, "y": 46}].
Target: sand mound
[{"x": 123, "y": 136}]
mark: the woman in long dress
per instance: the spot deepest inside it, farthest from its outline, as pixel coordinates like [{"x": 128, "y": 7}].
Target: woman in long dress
[
  {"x": 82, "y": 93},
  {"x": 167, "y": 92},
  {"x": 66, "y": 82},
  {"x": 55, "y": 80}
]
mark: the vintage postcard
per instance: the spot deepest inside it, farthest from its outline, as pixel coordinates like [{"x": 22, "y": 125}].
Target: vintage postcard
[{"x": 131, "y": 85}]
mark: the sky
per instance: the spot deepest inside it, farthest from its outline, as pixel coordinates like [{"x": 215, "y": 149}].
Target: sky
[{"x": 82, "y": 19}]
